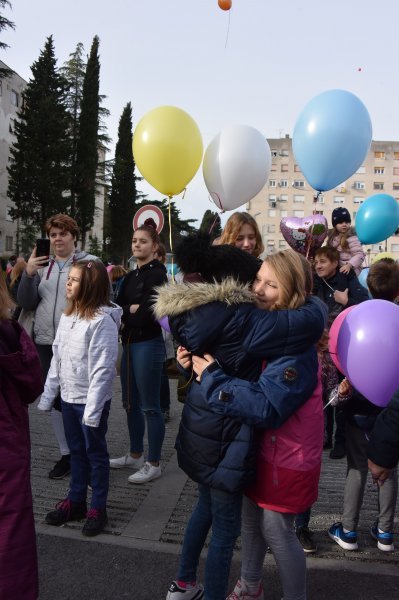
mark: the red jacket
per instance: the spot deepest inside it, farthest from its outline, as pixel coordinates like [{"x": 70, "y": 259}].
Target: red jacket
[
  {"x": 289, "y": 460},
  {"x": 20, "y": 383}
]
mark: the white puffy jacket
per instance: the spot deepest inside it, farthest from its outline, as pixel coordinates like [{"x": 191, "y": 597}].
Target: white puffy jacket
[{"x": 83, "y": 365}]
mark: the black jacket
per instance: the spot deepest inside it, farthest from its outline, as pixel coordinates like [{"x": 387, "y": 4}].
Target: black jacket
[
  {"x": 325, "y": 288},
  {"x": 138, "y": 288},
  {"x": 383, "y": 448}
]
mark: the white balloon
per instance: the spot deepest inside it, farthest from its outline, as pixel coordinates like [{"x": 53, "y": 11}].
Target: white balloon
[{"x": 236, "y": 166}]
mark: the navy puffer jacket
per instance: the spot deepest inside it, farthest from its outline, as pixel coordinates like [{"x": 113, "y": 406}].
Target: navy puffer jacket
[{"x": 217, "y": 449}]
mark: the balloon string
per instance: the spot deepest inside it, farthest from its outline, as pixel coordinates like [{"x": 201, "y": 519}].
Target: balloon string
[
  {"x": 315, "y": 198},
  {"x": 227, "y": 34},
  {"x": 170, "y": 236},
  {"x": 214, "y": 223}
]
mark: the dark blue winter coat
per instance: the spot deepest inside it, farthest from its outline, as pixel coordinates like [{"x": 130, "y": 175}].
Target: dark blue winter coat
[{"x": 214, "y": 448}]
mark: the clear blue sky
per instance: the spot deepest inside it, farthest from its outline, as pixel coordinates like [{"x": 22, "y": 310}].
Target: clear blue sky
[{"x": 278, "y": 56}]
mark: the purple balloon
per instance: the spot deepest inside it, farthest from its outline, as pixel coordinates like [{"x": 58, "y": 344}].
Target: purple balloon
[
  {"x": 368, "y": 349},
  {"x": 164, "y": 323}
]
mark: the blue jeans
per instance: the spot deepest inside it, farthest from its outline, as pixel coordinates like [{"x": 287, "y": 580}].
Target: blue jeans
[
  {"x": 221, "y": 511},
  {"x": 89, "y": 454},
  {"x": 141, "y": 369}
]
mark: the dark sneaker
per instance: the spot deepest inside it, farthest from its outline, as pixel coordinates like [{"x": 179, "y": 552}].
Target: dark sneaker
[
  {"x": 95, "y": 522},
  {"x": 338, "y": 451},
  {"x": 65, "y": 511},
  {"x": 347, "y": 541},
  {"x": 175, "y": 592},
  {"x": 384, "y": 539},
  {"x": 62, "y": 468},
  {"x": 305, "y": 537}
]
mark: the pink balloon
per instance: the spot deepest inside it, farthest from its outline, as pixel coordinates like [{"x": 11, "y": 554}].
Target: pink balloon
[
  {"x": 333, "y": 336},
  {"x": 368, "y": 349},
  {"x": 304, "y": 234},
  {"x": 164, "y": 323}
]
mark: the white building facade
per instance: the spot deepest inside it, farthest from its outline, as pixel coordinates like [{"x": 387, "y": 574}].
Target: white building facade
[{"x": 287, "y": 193}]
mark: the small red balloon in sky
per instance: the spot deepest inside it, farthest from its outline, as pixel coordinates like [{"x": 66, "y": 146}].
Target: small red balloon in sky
[{"x": 225, "y": 4}]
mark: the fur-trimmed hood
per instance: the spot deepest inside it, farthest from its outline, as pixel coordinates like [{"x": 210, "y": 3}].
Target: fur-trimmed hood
[{"x": 175, "y": 299}]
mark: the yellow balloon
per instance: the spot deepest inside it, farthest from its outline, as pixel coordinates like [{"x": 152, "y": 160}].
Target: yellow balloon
[
  {"x": 167, "y": 148},
  {"x": 383, "y": 255}
]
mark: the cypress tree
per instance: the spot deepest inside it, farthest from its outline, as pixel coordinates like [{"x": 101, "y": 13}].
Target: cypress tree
[
  {"x": 123, "y": 190},
  {"x": 38, "y": 174},
  {"x": 211, "y": 221},
  {"x": 87, "y": 146},
  {"x": 73, "y": 71},
  {"x": 5, "y": 24}
]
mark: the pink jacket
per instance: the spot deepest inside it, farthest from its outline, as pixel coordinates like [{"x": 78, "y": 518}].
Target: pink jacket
[
  {"x": 354, "y": 255},
  {"x": 289, "y": 460}
]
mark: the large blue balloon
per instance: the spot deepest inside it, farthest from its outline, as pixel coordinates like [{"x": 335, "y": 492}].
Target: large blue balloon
[
  {"x": 377, "y": 218},
  {"x": 331, "y": 138}
]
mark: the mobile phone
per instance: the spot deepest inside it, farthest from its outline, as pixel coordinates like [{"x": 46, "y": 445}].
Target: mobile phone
[{"x": 43, "y": 248}]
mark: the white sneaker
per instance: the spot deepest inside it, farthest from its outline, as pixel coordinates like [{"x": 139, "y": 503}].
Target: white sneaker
[
  {"x": 126, "y": 461},
  {"x": 175, "y": 592},
  {"x": 146, "y": 473}
]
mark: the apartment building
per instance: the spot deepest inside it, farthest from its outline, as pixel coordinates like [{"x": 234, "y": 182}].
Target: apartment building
[
  {"x": 11, "y": 89},
  {"x": 287, "y": 193}
]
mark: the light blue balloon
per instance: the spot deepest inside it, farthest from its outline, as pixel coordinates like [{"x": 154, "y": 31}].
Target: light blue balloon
[
  {"x": 172, "y": 269},
  {"x": 331, "y": 138},
  {"x": 377, "y": 218},
  {"x": 363, "y": 277}
]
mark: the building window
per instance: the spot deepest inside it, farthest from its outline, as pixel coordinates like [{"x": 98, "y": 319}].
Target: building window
[
  {"x": 319, "y": 212},
  {"x": 378, "y": 185},
  {"x": 320, "y": 199},
  {"x": 394, "y": 247},
  {"x": 379, "y": 170},
  {"x": 283, "y": 245},
  {"x": 284, "y": 168},
  {"x": 274, "y": 153},
  {"x": 272, "y": 212},
  {"x": 9, "y": 243},
  {"x": 271, "y": 228},
  {"x": 270, "y": 242},
  {"x": 396, "y": 170},
  {"x": 379, "y": 154},
  {"x": 272, "y": 183},
  {"x": 274, "y": 168},
  {"x": 299, "y": 183},
  {"x": 283, "y": 183},
  {"x": 358, "y": 185},
  {"x": 298, "y": 198},
  {"x": 283, "y": 213},
  {"x": 14, "y": 97},
  {"x": 297, "y": 169},
  {"x": 338, "y": 199},
  {"x": 284, "y": 153},
  {"x": 299, "y": 213},
  {"x": 396, "y": 155},
  {"x": 358, "y": 200},
  {"x": 283, "y": 198},
  {"x": 361, "y": 169},
  {"x": 272, "y": 197},
  {"x": 396, "y": 185}
]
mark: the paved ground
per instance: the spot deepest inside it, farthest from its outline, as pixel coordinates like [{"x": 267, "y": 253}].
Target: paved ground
[{"x": 137, "y": 555}]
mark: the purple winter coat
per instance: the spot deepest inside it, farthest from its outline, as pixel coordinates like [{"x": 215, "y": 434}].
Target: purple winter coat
[{"x": 21, "y": 383}]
